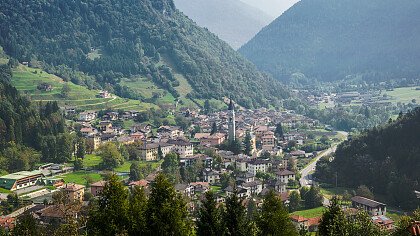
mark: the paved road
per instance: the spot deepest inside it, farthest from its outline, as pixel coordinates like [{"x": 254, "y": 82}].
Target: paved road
[{"x": 306, "y": 176}]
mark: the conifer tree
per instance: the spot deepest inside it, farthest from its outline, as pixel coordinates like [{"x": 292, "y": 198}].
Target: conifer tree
[
  {"x": 138, "y": 208},
  {"x": 167, "y": 213},
  {"x": 273, "y": 218},
  {"x": 209, "y": 217},
  {"x": 248, "y": 144},
  {"x": 235, "y": 217},
  {"x": 333, "y": 221},
  {"x": 109, "y": 216}
]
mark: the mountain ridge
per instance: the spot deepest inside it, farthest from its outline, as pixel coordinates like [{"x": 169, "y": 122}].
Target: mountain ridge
[{"x": 330, "y": 40}]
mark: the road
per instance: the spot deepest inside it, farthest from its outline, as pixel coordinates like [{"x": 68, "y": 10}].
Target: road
[{"x": 306, "y": 176}]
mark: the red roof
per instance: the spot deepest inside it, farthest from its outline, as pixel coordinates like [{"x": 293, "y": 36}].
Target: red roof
[{"x": 141, "y": 183}]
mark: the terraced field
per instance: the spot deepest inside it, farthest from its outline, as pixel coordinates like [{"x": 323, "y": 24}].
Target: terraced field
[{"x": 27, "y": 79}]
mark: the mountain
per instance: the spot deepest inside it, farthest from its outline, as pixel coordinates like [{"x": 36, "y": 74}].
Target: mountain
[
  {"x": 232, "y": 20},
  {"x": 273, "y": 8},
  {"x": 386, "y": 159},
  {"x": 110, "y": 41},
  {"x": 331, "y": 40}
]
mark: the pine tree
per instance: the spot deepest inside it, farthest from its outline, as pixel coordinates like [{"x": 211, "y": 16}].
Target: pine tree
[
  {"x": 294, "y": 201},
  {"x": 279, "y": 131},
  {"x": 213, "y": 128},
  {"x": 234, "y": 216},
  {"x": 109, "y": 216},
  {"x": 209, "y": 217},
  {"x": 81, "y": 148},
  {"x": 138, "y": 208},
  {"x": 170, "y": 166},
  {"x": 27, "y": 226},
  {"x": 248, "y": 144},
  {"x": 273, "y": 218},
  {"x": 333, "y": 221},
  {"x": 167, "y": 213},
  {"x": 361, "y": 224}
]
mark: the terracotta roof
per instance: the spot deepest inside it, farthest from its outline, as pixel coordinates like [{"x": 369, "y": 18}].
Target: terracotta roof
[
  {"x": 73, "y": 187},
  {"x": 141, "y": 183},
  {"x": 99, "y": 184},
  {"x": 285, "y": 172},
  {"x": 298, "y": 219}
]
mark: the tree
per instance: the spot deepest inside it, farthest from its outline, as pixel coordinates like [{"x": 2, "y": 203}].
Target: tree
[
  {"x": 213, "y": 128},
  {"x": 110, "y": 215},
  {"x": 160, "y": 153},
  {"x": 364, "y": 191},
  {"x": 65, "y": 90},
  {"x": 209, "y": 217},
  {"x": 273, "y": 218},
  {"x": 81, "y": 148},
  {"x": 166, "y": 210},
  {"x": 294, "y": 201},
  {"x": 138, "y": 208},
  {"x": 234, "y": 216},
  {"x": 170, "y": 166},
  {"x": 135, "y": 171},
  {"x": 248, "y": 143},
  {"x": 362, "y": 224},
  {"x": 78, "y": 164},
  {"x": 207, "y": 107},
  {"x": 279, "y": 131},
  {"x": 313, "y": 198},
  {"x": 111, "y": 157},
  {"x": 333, "y": 221},
  {"x": 27, "y": 226}
]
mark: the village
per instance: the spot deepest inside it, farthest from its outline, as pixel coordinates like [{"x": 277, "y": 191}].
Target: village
[{"x": 248, "y": 151}]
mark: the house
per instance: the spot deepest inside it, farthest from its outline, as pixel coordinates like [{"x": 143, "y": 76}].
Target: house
[
  {"x": 213, "y": 140},
  {"x": 172, "y": 132},
  {"x": 97, "y": 188},
  {"x": 87, "y": 116},
  {"x": 285, "y": 175},
  {"x": 242, "y": 192},
  {"x": 258, "y": 165},
  {"x": 74, "y": 192},
  {"x": 137, "y": 136},
  {"x": 298, "y": 153},
  {"x": 141, "y": 183},
  {"x": 374, "y": 208},
  {"x": 254, "y": 187},
  {"x": 383, "y": 222},
  {"x": 268, "y": 141},
  {"x": 104, "y": 94},
  {"x": 245, "y": 177},
  {"x": 44, "y": 87},
  {"x": 211, "y": 176},
  {"x": 149, "y": 151},
  {"x": 21, "y": 179},
  {"x": 7, "y": 223},
  {"x": 183, "y": 147},
  {"x": 277, "y": 185},
  {"x": 200, "y": 187},
  {"x": 105, "y": 125},
  {"x": 57, "y": 214},
  {"x": 87, "y": 131},
  {"x": 310, "y": 224},
  {"x": 184, "y": 189},
  {"x": 260, "y": 130}
]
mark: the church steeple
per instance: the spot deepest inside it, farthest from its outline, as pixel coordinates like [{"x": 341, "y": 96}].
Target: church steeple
[
  {"x": 231, "y": 106},
  {"x": 231, "y": 124}
]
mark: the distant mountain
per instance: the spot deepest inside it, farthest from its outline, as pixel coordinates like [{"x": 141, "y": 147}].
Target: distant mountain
[
  {"x": 330, "y": 40},
  {"x": 112, "y": 40},
  {"x": 232, "y": 20},
  {"x": 273, "y": 8}
]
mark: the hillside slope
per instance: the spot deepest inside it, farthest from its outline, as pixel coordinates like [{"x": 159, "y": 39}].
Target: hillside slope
[
  {"x": 232, "y": 20},
  {"x": 386, "y": 159},
  {"x": 329, "y": 40},
  {"x": 110, "y": 40}
]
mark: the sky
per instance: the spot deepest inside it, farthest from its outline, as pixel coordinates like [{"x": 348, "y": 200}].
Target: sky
[{"x": 273, "y": 8}]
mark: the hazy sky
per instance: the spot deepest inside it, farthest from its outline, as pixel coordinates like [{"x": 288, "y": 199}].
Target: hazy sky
[{"x": 272, "y": 7}]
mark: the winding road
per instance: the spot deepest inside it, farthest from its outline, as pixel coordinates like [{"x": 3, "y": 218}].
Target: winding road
[{"x": 306, "y": 176}]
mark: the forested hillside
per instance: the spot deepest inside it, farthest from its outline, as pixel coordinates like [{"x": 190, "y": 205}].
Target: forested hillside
[
  {"x": 109, "y": 40},
  {"x": 330, "y": 40},
  {"x": 386, "y": 159},
  {"x": 232, "y": 20}
]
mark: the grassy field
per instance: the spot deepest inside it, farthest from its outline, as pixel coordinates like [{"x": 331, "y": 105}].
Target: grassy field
[
  {"x": 126, "y": 166},
  {"x": 311, "y": 213},
  {"x": 27, "y": 79},
  {"x": 91, "y": 160},
  {"x": 404, "y": 95},
  {"x": 80, "y": 177},
  {"x": 330, "y": 192}
]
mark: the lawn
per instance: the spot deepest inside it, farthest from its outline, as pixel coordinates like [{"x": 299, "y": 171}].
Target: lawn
[
  {"x": 330, "y": 192},
  {"x": 216, "y": 188},
  {"x": 79, "y": 177},
  {"x": 91, "y": 160},
  {"x": 310, "y": 213},
  {"x": 3, "y": 190},
  {"x": 404, "y": 95},
  {"x": 126, "y": 166},
  {"x": 27, "y": 79}
]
